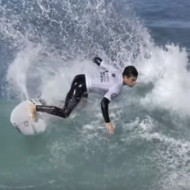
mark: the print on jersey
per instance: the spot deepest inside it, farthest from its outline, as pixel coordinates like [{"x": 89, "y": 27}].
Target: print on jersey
[
  {"x": 104, "y": 76},
  {"x": 113, "y": 75}
]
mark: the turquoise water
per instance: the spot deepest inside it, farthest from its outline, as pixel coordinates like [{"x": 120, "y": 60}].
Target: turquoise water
[{"x": 45, "y": 43}]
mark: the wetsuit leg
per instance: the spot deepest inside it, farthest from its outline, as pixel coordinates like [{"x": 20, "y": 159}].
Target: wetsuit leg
[{"x": 77, "y": 91}]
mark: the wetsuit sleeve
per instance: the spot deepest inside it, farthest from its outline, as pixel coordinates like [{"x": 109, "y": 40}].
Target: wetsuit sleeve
[
  {"x": 109, "y": 96},
  {"x": 101, "y": 63},
  {"x": 104, "y": 108}
]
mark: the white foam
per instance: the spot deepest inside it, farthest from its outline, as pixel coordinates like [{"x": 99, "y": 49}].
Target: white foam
[{"x": 167, "y": 71}]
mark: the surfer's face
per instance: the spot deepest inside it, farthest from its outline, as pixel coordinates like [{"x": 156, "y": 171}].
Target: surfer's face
[{"x": 129, "y": 81}]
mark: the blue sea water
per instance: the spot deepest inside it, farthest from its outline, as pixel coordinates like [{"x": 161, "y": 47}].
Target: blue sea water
[{"x": 43, "y": 44}]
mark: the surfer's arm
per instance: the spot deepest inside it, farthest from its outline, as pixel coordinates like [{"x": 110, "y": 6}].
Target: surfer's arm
[
  {"x": 101, "y": 63},
  {"x": 104, "y": 107},
  {"x": 108, "y": 97}
]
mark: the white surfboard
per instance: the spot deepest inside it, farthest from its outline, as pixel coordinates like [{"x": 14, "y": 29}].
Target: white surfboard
[
  {"x": 20, "y": 118},
  {"x": 20, "y": 115}
]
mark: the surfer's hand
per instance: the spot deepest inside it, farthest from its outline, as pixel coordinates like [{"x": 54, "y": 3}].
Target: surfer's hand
[{"x": 110, "y": 127}]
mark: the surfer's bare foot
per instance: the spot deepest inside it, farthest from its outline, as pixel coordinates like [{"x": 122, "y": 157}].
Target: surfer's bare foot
[{"x": 32, "y": 108}]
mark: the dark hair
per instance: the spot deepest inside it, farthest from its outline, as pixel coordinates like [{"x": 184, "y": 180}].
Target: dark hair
[{"x": 130, "y": 71}]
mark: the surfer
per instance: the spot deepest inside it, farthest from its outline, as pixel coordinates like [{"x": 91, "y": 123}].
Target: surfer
[{"x": 108, "y": 83}]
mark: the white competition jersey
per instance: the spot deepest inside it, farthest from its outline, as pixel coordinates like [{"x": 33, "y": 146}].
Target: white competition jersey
[{"x": 108, "y": 83}]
